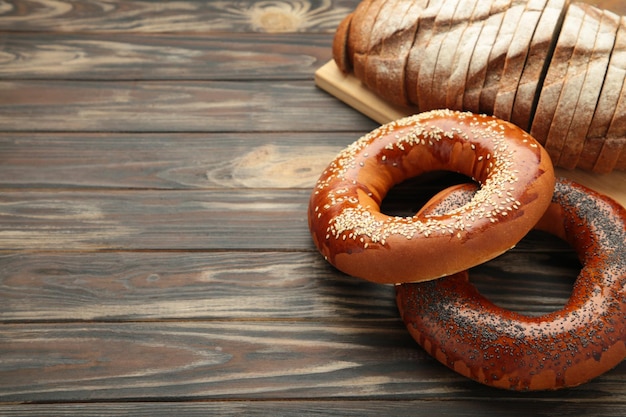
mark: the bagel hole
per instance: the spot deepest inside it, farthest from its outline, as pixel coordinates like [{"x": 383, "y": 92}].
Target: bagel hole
[
  {"x": 408, "y": 197},
  {"x": 534, "y": 278}
]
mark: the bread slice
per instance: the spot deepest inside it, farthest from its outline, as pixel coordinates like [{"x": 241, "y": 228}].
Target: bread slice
[
  {"x": 430, "y": 55},
  {"x": 361, "y": 36},
  {"x": 422, "y": 38},
  {"x": 541, "y": 48},
  {"x": 516, "y": 56},
  {"x": 614, "y": 147},
  {"x": 615, "y": 141},
  {"x": 609, "y": 154},
  {"x": 390, "y": 62},
  {"x": 357, "y": 35},
  {"x": 381, "y": 30},
  {"x": 479, "y": 62},
  {"x": 461, "y": 62},
  {"x": 621, "y": 160},
  {"x": 607, "y": 103},
  {"x": 498, "y": 54},
  {"x": 449, "y": 47},
  {"x": 340, "y": 45},
  {"x": 574, "y": 79},
  {"x": 590, "y": 92},
  {"x": 554, "y": 79}
]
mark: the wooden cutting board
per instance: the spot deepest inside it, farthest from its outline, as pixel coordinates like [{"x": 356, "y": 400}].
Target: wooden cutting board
[{"x": 349, "y": 89}]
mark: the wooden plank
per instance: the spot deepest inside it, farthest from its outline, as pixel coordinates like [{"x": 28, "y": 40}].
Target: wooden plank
[
  {"x": 167, "y": 161},
  {"x": 534, "y": 278},
  {"x": 124, "y": 286},
  {"x": 240, "y": 360},
  {"x": 172, "y": 107},
  {"x": 186, "y": 16},
  {"x": 330, "y": 408},
  {"x": 198, "y": 220},
  {"x": 232, "y": 56},
  {"x": 349, "y": 90}
]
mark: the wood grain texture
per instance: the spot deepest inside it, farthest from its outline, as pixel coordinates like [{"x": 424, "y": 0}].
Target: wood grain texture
[
  {"x": 171, "y": 107},
  {"x": 156, "y": 160},
  {"x": 131, "y": 286},
  {"x": 121, "y": 56},
  {"x": 140, "y": 220},
  {"x": 212, "y": 360},
  {"x": 516, "y": 407},
  {"x": 343, "y": 408},
  {"x": 168, "y": 161},
  {"x": 187, "y": 16}
]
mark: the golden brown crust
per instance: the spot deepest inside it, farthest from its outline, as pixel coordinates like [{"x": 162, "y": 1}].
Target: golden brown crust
[
  {"x": 344, "y": 216},
  {"x": 381, "y": 31},
  {"x": 340, "y": 45},
  {"x": 504, "y": 349},
  {"x": 359, "y": 34}
]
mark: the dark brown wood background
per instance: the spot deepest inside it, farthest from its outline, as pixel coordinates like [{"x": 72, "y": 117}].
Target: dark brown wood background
[{"x": 156, "y": 160}]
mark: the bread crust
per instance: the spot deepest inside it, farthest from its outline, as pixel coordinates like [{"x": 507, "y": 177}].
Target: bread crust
[
  {"x": 452, "y": 40},
  {"x": 516, "y": 57},
  {"x": 527, "y": 61},
  {"x": 428, "y": 62},
  {"x": 340, "y": 45},
  {"x": 357, "y": 32},
  {"x": 414, "y": 60},
  {"x": 498, "y": 55},
  {"x": 541, "y": 48},
  {"x": 607, "y": 103},
  {"x": 456, "y": 85},
  {"x": 574, "y": 78},
  {"x": 480, "y": 57},
  {"x": 360, "y": 35},
  {"x": 382, "y": 28},
  {"x": 390, "y": 63},
  {"x": 554, "y": 80},
  {"x": 621, "y": 160},
  {"x": 590, "y": 91}
]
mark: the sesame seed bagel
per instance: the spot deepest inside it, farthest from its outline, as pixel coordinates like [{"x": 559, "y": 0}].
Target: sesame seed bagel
[
  {"x": 514, "y": 171},
  {"x": 504, "y": 349}
]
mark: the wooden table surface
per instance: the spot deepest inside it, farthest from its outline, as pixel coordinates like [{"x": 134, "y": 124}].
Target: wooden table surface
[{"x": 156, "y": 159}]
